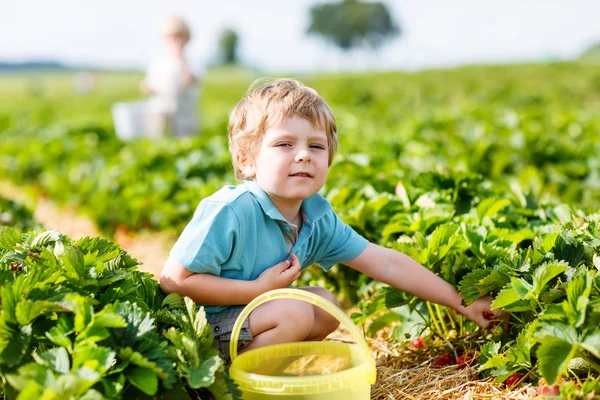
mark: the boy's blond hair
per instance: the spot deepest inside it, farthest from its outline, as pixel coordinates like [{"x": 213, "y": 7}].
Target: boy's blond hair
[
  {"x": 266, "y": 106},
  {"x": 175, "y": 26}
]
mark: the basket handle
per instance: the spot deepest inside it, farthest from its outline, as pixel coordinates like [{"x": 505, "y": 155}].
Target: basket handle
[{"x": 309, "y": 298}]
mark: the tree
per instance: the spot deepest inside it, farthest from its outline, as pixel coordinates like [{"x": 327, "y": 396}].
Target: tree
[
  {"x": 228, "y": 43},
  {"x": 353, "y": 23}
]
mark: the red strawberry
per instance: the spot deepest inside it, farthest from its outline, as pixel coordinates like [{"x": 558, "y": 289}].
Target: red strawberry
[
  {"x": 466, "y": 358},
  {"x": 418, "y": 343},
  {"x": 443, "y": 360},
  {"x": 514, "y": 378},
  {"x": 545, "y": 390}
]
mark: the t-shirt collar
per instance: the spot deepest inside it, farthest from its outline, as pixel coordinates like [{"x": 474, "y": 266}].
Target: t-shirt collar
[{"x": 314, "y": 207}]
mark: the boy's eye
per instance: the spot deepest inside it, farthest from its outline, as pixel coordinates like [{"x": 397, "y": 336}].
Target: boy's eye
[
  {"x": 317, "y": 146},
  {"x": 283, "y": 144}
]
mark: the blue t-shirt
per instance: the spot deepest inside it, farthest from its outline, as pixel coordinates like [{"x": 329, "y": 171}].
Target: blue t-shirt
[{"x": 237, "y": 233}]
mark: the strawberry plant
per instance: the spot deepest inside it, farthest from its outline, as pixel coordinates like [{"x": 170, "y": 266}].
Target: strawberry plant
[{"x": 77, "y": 319}]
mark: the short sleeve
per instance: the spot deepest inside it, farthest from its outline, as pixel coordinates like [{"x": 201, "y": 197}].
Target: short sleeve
[
  {"x": 343, "y": 243},
  {"x": 207, "y": 242}
]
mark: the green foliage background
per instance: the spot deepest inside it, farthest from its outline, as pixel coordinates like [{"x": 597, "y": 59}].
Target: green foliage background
[{"x": 489, "y": 176}]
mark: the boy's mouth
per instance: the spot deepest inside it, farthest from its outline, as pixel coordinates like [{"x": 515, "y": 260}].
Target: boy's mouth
[{"x": 302, "y": 175}]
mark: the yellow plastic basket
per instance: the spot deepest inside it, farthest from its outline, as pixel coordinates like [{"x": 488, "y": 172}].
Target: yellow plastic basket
[{"x": 303, "y": 370}]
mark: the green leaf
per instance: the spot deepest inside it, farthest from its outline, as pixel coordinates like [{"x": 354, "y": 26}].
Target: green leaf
[
  {"x": 596, "y": 260},
  {"x": 592, "y": 344},
  {"x": 442, "y": 240},
  {"x": 522, "y": 351},
  {"x": 506, "y": 297},
  {"x": 57, "y": 359},
  {"x": 579, "y": 287},
  {"x": 59, "y": 333},
  {"x": 383, "y": 321},
  {"x": 442, "y": 235},
  {"x": 494, "y": 281},
  {"x": 139, "y": 323},
  {"x": 143, "y": 379},
  {"x": 547, "y": 242},
  {"x": 205, "y": 375},
  {"x": 412, "y": 324},
  {"x": 28, "y": 374},
  {"x": 173, "y": 300},
  {"x": 72, "y": 263},
  {"x": 468, "y": 286},
  {"x": 82, "y": 308},
  {"x": 545, "y": 273},
  {"x": 27, "y": 311},
  {"x": 552, "y": 330},
  {"x": 488, "y": 351},
  {"x": 97, "y": 358},
  {"x": 92, "y": 394},
  {"x": 93, "y": 334},
  {"x": 553, "y": 357},
  {"x": 8, "y": 238},
  {"x": 18, "y": 348},
  {"x": 386, "y": 298},
  {"x": 521, "y": 287},
  {"x": 568, "y": 249},
  {"x": 490, "y": 206},
  {"x": 45, "y": 238},
  {"x": 108, "y": 319}
]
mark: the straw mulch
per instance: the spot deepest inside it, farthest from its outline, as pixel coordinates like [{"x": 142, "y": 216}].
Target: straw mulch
[{"x": 405, "y": 374}]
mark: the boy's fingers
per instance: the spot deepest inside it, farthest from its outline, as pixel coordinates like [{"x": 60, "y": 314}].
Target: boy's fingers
[
  {"x": 294, "y": 259},
  {"x": 283, "y": 266},
  {"x": 483, "y": 322}
]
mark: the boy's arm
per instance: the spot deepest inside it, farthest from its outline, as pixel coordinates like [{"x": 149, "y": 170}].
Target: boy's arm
[
  {"x": 402, "y": 272},
  {"x": 205, "y": 289},
  {"x": 211, "y": 290}
]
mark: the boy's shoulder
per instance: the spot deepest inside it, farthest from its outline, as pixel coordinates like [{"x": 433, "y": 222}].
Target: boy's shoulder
[
  {"x": 227, "y": 195},
  {"x": 236, "y": 198}
]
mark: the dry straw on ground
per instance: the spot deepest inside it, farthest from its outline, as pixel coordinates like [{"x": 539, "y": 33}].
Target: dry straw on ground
[{"x": 406, "y": 374}]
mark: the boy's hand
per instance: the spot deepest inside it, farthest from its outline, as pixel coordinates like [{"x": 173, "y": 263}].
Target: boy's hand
[
  {"x": 480, "y": 311},
  {"x": 146, "y": 89},
  {"x": 280, "y": 275}
]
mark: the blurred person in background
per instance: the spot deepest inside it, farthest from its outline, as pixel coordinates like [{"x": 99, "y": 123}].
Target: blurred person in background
[{"x": 171, "y": 85}]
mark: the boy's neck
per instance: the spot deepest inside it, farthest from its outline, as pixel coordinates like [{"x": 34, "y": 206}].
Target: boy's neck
[{"x": 292, "y": 212}]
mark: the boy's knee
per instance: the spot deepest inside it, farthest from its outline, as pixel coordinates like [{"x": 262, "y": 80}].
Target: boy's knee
[
  {"x": 297, "y": 319},
  {"x": 326, "y": 294},
  {"x": 324, "y": 321}
]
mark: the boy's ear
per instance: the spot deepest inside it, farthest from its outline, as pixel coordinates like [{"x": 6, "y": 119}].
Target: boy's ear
[{"x": 245, "y": 162}]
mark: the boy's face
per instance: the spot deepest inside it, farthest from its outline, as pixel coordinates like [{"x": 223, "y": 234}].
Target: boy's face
[
  {"x": 175, "y": 42},
  {"x": 292, "y": 161}
]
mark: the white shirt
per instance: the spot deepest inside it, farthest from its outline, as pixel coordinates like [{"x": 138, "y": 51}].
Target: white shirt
[{"x": 165, "y": 77}]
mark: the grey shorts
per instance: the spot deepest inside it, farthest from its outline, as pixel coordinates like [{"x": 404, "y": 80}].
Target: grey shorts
[{"x": 222, "y": 325}]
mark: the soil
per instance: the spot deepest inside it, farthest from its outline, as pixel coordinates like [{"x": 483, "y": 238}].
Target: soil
[{"x": 150, "y": 248}]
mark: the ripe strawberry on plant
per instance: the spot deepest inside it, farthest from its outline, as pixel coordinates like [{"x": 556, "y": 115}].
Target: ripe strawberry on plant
[
  {"x": 546, "y": 390},
  {"x": 467, "y": 358},
  {"x": 444, "y": 360},
  {"x": 495, "y": 320},
  {"x": 514, "y": 378},
  {"x": 418, "y": 343}
]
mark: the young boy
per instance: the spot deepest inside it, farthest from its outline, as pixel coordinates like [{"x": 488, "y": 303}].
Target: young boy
[
  {"x": 248, "y": 239},
  {"x": 171, "y": 85}
]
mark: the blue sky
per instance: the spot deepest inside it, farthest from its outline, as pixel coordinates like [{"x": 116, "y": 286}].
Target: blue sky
[{"x": 437, "y": 33}]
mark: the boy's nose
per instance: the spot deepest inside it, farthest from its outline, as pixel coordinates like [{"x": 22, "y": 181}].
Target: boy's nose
[{"x": 303, "y": 157}]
